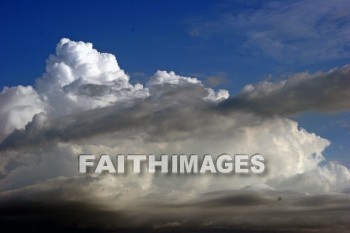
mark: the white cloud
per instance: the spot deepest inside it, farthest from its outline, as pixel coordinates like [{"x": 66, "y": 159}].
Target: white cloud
[
  {"x": 78, "y": 77},
  {"x": 18, "y": 105},
  {"x": 163, "y": 77}
]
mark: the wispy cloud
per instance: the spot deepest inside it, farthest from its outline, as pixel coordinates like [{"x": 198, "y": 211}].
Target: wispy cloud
[{"x": 289, "y": 32}]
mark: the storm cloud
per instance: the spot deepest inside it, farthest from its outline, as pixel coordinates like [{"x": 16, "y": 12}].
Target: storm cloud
[
  {"x": 84, "y": 103},
  {"x": 242, "y": 210}
]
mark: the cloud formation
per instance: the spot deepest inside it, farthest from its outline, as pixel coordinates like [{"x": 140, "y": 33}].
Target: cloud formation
[
  {"x": 323, "y": 91},
  {"x": 86, "y": 104},
  {"x": 78, "y": 78}
]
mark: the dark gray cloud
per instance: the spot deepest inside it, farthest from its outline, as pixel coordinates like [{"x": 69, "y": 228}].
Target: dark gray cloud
[
  {"x": 227, "y": 211},
  {"x": 323, "y": 92}
]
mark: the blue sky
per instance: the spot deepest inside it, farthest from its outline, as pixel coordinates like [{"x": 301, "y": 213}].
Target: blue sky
[{"x": 228, "y": 44}]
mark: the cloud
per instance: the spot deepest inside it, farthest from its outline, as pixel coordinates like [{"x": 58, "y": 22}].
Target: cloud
[
  {"x": 178, "y": 115},
  {"x": 78, "y": 78},
  {"x": 323, "y": 91},
  {"x": 238, "y": 211},
  {"x": 18, "y": 106},
  {"x": 86, "y": 104},
  {"x": 288, "y": 32}
]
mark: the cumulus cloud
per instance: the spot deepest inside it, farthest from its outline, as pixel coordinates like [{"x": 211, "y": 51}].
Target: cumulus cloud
[
  {"x": 86, "y": 104},
  {"x": 78, "y": 77},
  {"x": 18, "y": 106}
]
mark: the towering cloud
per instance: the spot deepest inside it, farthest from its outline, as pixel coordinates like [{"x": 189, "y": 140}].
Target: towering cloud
[
  {"x": 84, "y": 103},
  {"x": 78, "y": 78}
]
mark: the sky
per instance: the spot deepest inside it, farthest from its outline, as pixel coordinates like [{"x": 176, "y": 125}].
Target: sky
[
  {"x": 202, "y": 77},
  {"x": 226, "y": 44}
]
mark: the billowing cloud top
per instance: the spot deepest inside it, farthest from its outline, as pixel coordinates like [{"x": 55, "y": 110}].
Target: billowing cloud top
[
  {"x": 85, "y": 103},
  {"x": 78, "y": 77}
]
